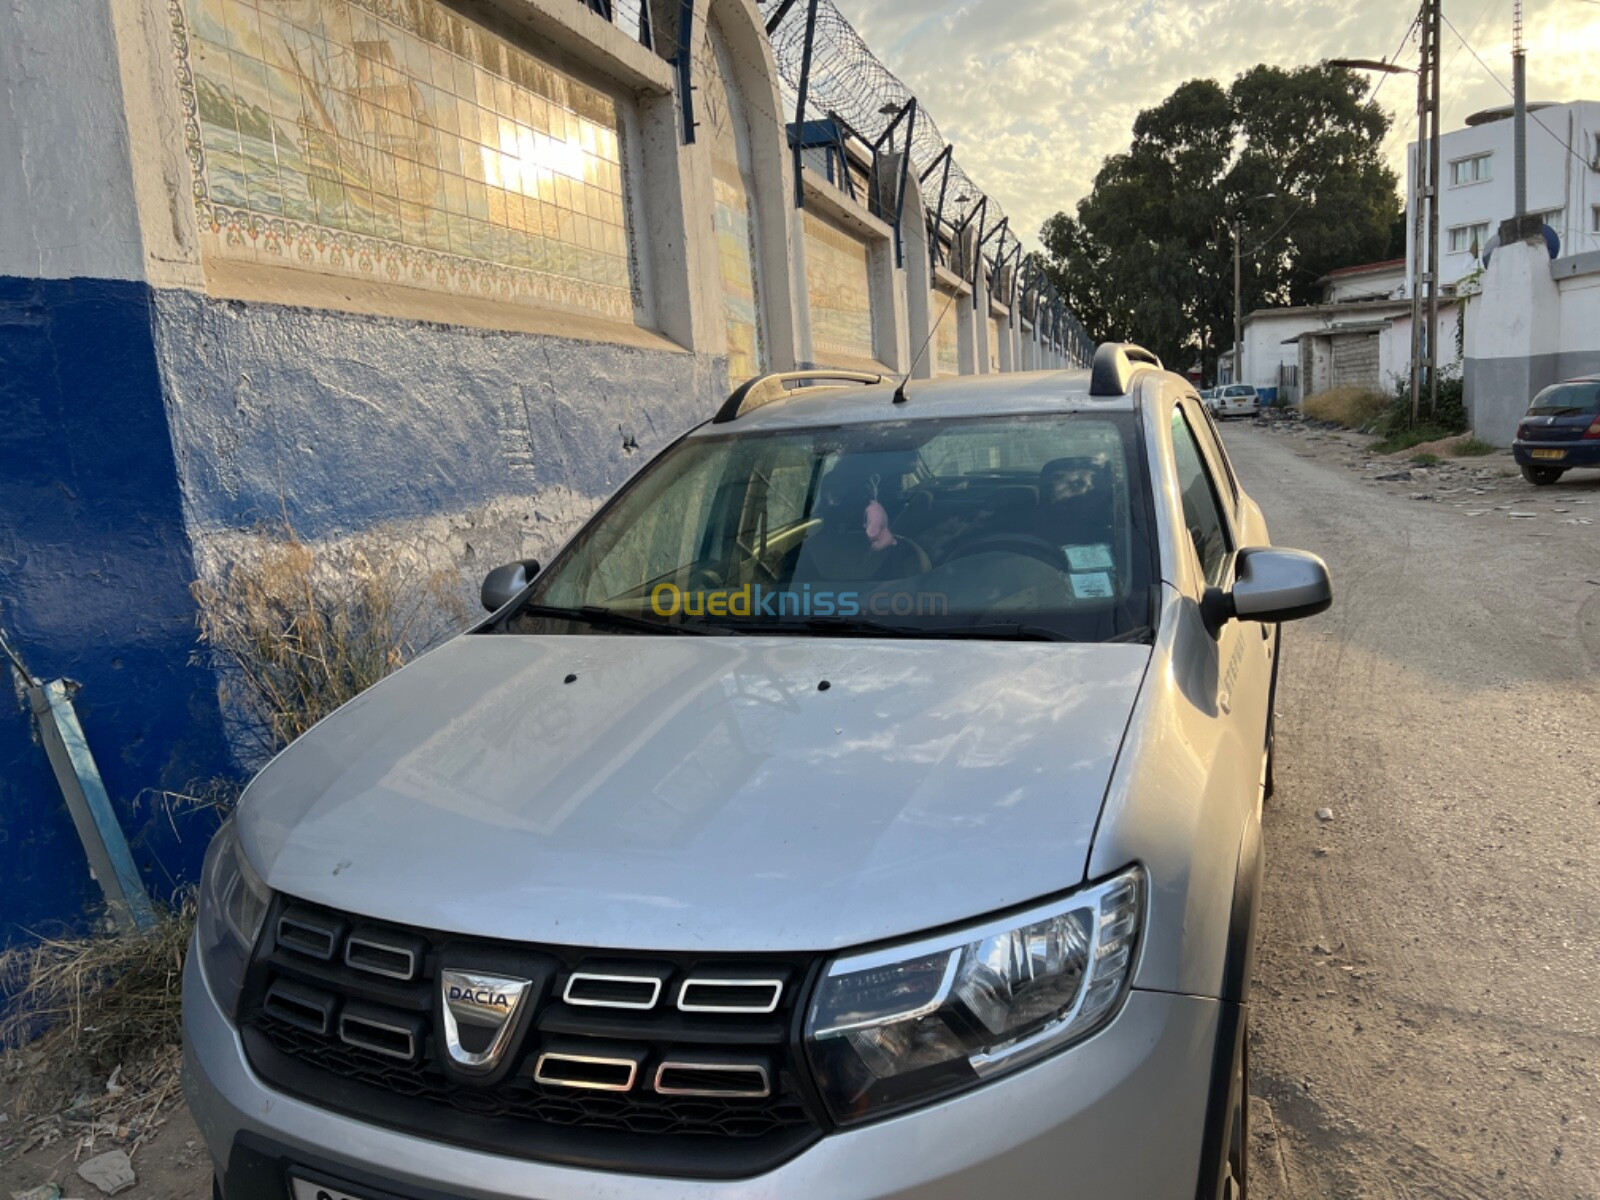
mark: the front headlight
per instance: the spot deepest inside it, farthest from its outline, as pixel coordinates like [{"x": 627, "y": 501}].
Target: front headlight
[
  {"x": 233, "y": 904},
  {"x": 913, "y": 1023}
]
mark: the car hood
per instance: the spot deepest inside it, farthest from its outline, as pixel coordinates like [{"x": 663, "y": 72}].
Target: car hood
[{"x": 680, "y": 793}]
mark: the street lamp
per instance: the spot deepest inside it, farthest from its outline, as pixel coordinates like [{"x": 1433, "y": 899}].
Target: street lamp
[
  {"x": 1371, "y": 64},
  {"x": 1234, "y": 227},
  {"x": 1427, "y": 110}
]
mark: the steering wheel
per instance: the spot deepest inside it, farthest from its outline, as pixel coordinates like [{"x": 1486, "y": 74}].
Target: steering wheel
[{"x": 1014, "y": 543}]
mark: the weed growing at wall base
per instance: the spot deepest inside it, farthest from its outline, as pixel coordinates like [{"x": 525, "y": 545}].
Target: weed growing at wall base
[
  {"x": 295, "y": 631},
  {"x": 106, "y": 1006}
]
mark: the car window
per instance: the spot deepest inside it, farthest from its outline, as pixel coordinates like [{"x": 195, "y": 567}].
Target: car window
[
  {"x": 1202, "y": 511},
  {"x": 1568, "y": 399},
  {"x": 1206, "y": 430},
  {"x": 978, "y": 522}
]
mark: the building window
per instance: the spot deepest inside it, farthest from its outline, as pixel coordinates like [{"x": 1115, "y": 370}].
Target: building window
[
  {"x": 1594, "y": 157},
  {"x": 1553, "y": 217},
  {"x": 734, "y": 207},
  {"x": 1470, "y": 170},
  {"x": 1469, "y": 239},
  {"x": 839, "y": 289},
  {"x": 404, "y": 144}
]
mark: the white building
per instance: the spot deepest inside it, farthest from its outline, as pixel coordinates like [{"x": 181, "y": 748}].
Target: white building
[
  {"x": 1478, "y": 187},
  {"x": 1358, "y": 336}
]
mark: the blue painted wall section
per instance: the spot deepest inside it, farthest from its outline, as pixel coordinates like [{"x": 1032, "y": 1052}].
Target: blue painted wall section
[
  {"x": 132, "y": 421},
  {"x": 349, "y": 421},
  {"x": 94, "y": 573}
]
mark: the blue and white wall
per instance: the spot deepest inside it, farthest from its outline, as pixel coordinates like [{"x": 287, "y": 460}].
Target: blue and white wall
[
  {"x": 1530, "y": 321},
  {"x": 444, "y": 276}
]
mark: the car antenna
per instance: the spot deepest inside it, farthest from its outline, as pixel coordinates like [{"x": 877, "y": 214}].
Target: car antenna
[{"x": 900, "y": 396}]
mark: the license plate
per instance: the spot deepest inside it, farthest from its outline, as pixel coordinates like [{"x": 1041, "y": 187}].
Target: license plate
[
  {"x": 1549, "y": 453},
  {"x": 305, "y": 1189}
]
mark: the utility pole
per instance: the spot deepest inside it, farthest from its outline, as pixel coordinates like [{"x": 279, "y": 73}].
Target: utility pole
[
  {"x": 1435, "y": 54},
  {"x": 1420, "y": 193},
  {"x": 1236, "y": 227},
  {"x": 1519, "y": 95},
  {"x": 1238, "y": 313}
]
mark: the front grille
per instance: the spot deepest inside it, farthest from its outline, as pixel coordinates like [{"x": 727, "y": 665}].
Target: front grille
[{"x": 678, "y": 1064}]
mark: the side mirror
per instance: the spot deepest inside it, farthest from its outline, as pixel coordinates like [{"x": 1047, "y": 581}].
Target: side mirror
[
  {"x": 503, "y": 584},
  {"x": 1270, "y": 586}
]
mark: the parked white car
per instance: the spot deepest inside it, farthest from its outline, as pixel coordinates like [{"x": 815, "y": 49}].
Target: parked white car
[
  {"x": 1235, "y": 400},
  {"x": 864, "y": 805}
]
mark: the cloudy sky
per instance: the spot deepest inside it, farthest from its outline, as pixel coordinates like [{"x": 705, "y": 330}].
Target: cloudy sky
[{"x": 1035, "y": 93}]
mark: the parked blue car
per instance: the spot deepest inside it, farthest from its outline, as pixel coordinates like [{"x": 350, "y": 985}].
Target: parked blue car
[{"x": 1561, "y": 430}]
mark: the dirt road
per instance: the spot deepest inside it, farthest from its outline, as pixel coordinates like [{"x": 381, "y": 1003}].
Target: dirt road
[{"x": 1427, "y": 1007}]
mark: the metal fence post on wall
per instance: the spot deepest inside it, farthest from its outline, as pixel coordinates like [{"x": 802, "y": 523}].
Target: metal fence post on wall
[
  {"x": 800, "y": 103},
  {"x": 104, "y": 843},
  {"x": 684, "y": 62}
]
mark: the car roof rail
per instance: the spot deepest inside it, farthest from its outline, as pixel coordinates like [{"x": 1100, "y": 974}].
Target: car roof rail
[
  {"x": 766, "y": 389},
  {"x": 1115, "y": 365}
]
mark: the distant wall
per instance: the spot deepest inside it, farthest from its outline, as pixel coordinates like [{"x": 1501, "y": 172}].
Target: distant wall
[
  {"x": 372, "y": 421},
  {"x": 1533, "y": 323}
]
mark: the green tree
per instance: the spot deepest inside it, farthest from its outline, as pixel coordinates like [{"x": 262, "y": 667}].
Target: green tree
[{"x": 1149, "y": 257}]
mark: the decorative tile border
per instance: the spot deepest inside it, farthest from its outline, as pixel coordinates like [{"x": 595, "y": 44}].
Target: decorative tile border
[{"x": 238, "y": 232}]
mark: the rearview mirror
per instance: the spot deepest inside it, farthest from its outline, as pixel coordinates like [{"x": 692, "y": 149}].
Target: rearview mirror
[
  {"x": 1270, "y": 586},
  {"x": 503, "y": 584}
]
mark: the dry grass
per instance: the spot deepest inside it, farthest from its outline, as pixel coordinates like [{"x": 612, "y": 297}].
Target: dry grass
[
  {"x": 1456, "y": 445},
  {"x": 109, "y": 1009},
  {"x": 294, "y": 632},
  {"x": 1354, "y": 408}
]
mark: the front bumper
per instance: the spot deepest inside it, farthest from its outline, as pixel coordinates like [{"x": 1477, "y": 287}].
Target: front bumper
[
  {"x": 1576, "y": 453},
  {"x": 1121, "y": 1114}
]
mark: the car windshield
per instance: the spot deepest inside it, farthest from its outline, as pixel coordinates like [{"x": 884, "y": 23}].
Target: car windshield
[
  {"x": 1031, "y": 527},
  {"x": 1568, "y": 398}
]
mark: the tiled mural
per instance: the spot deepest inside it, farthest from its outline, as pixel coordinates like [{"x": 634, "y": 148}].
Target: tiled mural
[
  {"x": 839, "y": 287},
  {"x": 734, "y": 217},
  {"x": 946, "y": 334},
  {"x": 395, "y": 141}
]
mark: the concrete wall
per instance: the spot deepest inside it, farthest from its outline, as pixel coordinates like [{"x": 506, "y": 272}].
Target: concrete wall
[
  {"x": 95, "y": 567},
  {"x": 1355, "y": 360},
  {"x": 1533, "y": 323},
  {"x": 373, "y": 421},
  {"x": 1268, "y": 343},
  {"x": 66, "y": 182}
]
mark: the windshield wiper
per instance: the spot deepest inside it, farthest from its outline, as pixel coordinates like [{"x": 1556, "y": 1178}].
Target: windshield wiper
[
  {"x": 862, "y": 627},
  {"x": 593, "y": 614}
]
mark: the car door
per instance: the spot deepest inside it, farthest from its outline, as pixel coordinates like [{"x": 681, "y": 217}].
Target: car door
[
  {"x": 1210, "y": 503},
  {"x": 1243, "y": 516}
]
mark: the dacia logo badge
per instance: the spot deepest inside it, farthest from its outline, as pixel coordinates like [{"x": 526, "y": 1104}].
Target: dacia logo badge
[{"x": 480, "y": 1014}]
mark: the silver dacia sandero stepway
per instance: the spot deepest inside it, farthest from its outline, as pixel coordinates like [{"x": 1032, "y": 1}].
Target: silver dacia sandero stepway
[{"x": 865, "y": 803}]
